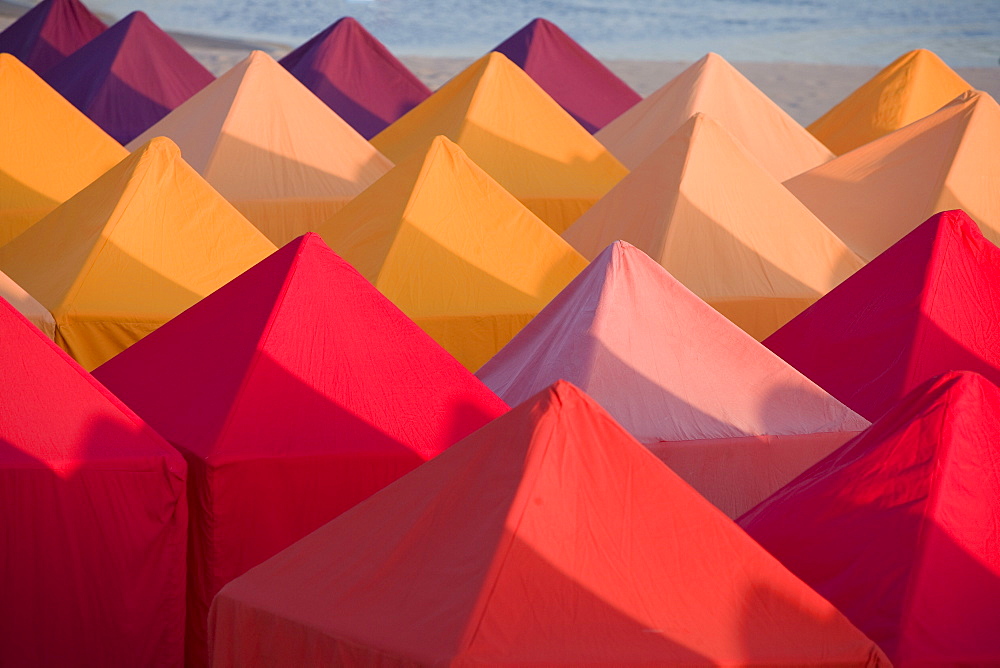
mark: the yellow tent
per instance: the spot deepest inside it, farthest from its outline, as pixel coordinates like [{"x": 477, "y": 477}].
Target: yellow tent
[
  {"x": 27, "y": 305},
  {"x": 916, "y": 84},
  {"x": 876, "y": 194},
  {"x": 48, "y": 149},
  {"x": 716, "y": 88},
  {"x": 454, "y": 251},
  {"x": 518, "y": 134},
  {"x": 714, "y": 218},
  {"x": 136, "y": 247},
  {"x": 282, "y": 157}
]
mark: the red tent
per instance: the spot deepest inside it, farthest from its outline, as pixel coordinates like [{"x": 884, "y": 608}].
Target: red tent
[
  {"x": 93, "y": 517},
  {"x": 929, "y": 304},
  {"x": 548, "y": 537},
  {"x": 900, "y": 528},
  {"x": 50, "y": 31},
  {"x": 295, "y": 391},
  {"x": 580, "y": 83}
]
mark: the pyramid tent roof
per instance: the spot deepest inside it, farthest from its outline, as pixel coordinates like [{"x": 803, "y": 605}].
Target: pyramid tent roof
[
  {"x": 579, "y": 82},
  {"x": 702, "y": 207},
  {"x": 452, "y": 249},
  {"x": 27, "y": 305},
  {"x": 49, "y": 152},
  {"x": 357, "y": 76},
  {"x": 716, "y": 88},
  {"x": 83, "y": 476},
  {"x": 130, "y": 251},
  {"x": 913, "y": 86},
  {"x": 48, "y": 32},
  {"x": 129, "y": 77},
  {"x": 301, "y": 371},
  {"x": 271, "y": 148},
  {"x": 872, "y": 196},
  {"x": 898, "y": 528},
  {"x": 519, "y": 135},
  {"x": 623, "y": 561},
  {"x": 729, "y": 416},
  {"x": 927, "y": 305}
]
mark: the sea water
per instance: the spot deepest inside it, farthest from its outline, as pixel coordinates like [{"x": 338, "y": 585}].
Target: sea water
[{"x": 966, "y": 33}]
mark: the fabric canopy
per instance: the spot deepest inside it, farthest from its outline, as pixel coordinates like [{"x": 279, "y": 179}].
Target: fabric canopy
[
  {"x": 899, "y": 528},
  {"x": 49, "y": 152},
  {"x": 132, "y": 250},
  {"x": 27, "y": 305},
  {"x": 549, "y": 537},
  {"x": 271, "y": 148},
  {"x": 93, "y": 510},
  {"x": 129, "y": 77},
  {"x": 518, "y": 134},
  {"x": 874, "y": 195},
  {"x": 725, "y": 413},
  {"x": 714, "y": 87},
  {"x": 928, "y": 305},
  {"x": 48, "y": 32},
  {"x": 702, "y": 207},
  {"x": 454, "y": 251},
  {"x": 357, "y": 77},
  {"x": 580, "y": 83},
  {"x": 915, "y": 85},
  {"x": 295, "y": 391}
]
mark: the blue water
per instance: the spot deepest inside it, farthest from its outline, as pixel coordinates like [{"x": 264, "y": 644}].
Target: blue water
[{"x": 966, "y": 33}]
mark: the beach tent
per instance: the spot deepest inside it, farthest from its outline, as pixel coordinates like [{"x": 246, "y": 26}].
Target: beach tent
[
  {"x": 716, "y": 88},
  {"x": 518, "y": 134},
  {"x": 27, "y": 305},
  {"x": 915, "y": 85},
  {"x": 928, "y": 305},
  {"x": 295, "y": 391},
  {"x": 357, "y": 77},
  {"x": 49, "y": 152},
  {"x": 722, "y": 411},
  {"x": 48, "y": 32},
  {"x": 898, "y": 528},
  {"x": 549, "y": 537},
  {"x": 452, "y": 249},
  {"x": 93, "y": 506},
  {"x": 272, "y": 148},
  {"x": 129, "y": 77},
  {"x": 701, "y": 206},
  {"x": 132, "y": 250},
  {"x": 579, "y": 82},
  {"x": 876, "y": 194}
]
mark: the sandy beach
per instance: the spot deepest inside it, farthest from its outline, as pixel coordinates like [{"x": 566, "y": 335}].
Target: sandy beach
[{"x": 805, "y": 91}]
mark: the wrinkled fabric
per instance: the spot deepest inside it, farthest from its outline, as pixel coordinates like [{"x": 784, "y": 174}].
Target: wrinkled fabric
[{"x": 48, "y": 32}]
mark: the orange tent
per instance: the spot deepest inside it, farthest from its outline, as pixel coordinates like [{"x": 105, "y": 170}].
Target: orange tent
[
  {"x": 716, "y": 88},
  {"x": 271, "y": 147},
  {"x": 50, "y": 150},
  {"x": 549, "y": 537},
  {"x": 132, "y": 250},
  {"x": 27, "y": 305},
  {"x": 454, "y": 251},
  {"x": 876, "y": 194},
  {"x": 702, "y": 207},
  {"x": 915, "y": 85},
  {"x": 518, "y": 134}
]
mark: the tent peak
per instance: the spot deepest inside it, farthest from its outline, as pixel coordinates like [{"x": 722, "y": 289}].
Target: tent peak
[{"x": 163, "y": 145}]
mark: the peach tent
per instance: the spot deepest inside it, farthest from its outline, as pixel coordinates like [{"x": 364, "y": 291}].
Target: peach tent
[
  {"x": 873, "y": 196},
  {"x": 136, "y": 247},
  {"x": 271, "y": 147},
  {"x": 915, "y": 85},
  {"x": 49, "y": 152},
  {"x": 702, "y": 207},
  {"x": 549, "y": 537},
  {"x": 714, "y": 87},
  {"x": 724, "y": 412},
  {"x": 454, "y": 251},
  {"x": 519, "y": 135},
  {"x": 27, "y": 306}
]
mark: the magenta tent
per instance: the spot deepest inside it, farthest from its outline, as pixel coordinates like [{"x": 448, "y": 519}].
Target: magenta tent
[{"x": 50, "y": 31}]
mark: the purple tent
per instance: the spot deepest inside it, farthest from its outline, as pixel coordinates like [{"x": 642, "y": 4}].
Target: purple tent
[
  {"x": 584, "y": 87},
  {"x": 357, "y": 77},
  {"x": 129, "y": 77},
  {"x": 50, "y": 31}
]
